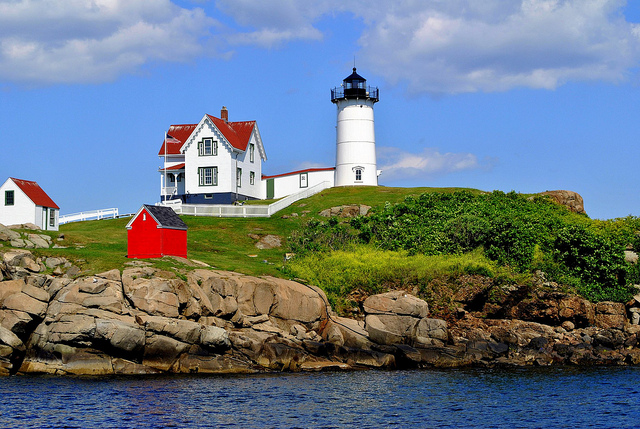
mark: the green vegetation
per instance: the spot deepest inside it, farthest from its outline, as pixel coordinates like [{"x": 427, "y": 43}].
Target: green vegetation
[
  {"x": 223, "y": 243},
  {"x": 425, "y": 240},
  {"x": 522, "y": 234}
]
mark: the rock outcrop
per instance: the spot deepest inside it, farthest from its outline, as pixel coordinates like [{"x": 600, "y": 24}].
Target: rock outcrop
[
  {"x": 145, "y": 321},
  {"x": 572, "y": 200}
]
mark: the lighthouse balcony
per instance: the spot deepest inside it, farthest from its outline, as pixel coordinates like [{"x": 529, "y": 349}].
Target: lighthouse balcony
[{"x": 340, "y": 93}]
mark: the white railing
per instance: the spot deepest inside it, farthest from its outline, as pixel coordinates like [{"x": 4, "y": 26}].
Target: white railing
[
  {"x": 169, "y": 190},
  {"x": 248, "y": 210},
  {"x": 89, "y": 215}
]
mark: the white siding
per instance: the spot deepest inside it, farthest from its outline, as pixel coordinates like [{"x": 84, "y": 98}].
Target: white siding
[
  {"x": 226, "y": 160},
  {"x": 22, "y": 211},
  {"x": 193, "y": 161},
  {"x": 355, "y": 143},
  {"x": 290, "y": 183}
]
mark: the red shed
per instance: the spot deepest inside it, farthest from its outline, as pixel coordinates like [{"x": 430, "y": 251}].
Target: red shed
[{"x": 156, "y": 231}]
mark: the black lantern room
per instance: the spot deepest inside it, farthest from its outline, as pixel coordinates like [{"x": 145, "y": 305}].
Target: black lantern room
[{"x": 354, "y": 87}]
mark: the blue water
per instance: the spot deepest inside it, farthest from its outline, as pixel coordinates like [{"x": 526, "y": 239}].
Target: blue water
[{"x": 491, "y": 398}]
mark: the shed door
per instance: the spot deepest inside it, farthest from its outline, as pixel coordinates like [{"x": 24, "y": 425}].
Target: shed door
[{"x": 270, "y": 189}]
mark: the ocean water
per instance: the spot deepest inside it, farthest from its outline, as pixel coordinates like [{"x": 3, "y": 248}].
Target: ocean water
[{"x": 469, "y": 398}]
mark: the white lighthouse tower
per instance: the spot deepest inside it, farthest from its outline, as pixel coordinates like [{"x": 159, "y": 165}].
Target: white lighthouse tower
[{"x": 355, "y": 134}]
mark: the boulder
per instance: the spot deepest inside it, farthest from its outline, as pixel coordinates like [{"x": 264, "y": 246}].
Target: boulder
[
  {"x": 214, "y": 337},
  {"x": 610, "y": 315},
  {"x": 396, "y": 302},
  {"x": 572, "y": 200},
  {"x": 40, "y": 241},
  {"x": 428, "y": 330},
  {"x": 7, "y": 234},
  {"x": 125, "y": 337},
  {"x": 269, "y": 242},
  {"x": 155, "y": 296},
  {"x": 352, "y": 210}
]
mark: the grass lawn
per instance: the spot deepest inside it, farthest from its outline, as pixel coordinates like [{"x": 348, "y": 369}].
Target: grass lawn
[{"x": 223, "y": 243}]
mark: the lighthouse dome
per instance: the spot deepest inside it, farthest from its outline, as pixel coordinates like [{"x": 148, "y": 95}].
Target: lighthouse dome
[{"x": 354, "y": 86}]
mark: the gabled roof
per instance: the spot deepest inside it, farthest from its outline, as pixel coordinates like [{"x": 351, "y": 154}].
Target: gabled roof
[
  {"x": 165, "y": 217},
  {"x": 176, "y": 137},
  {"x": 35, "y": 193},
  {"x": 237, "y": 134}
]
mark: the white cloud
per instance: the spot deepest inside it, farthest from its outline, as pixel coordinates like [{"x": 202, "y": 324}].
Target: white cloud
[
  {"x": 271, "y": 23},
  {"x": 432, "y": 46},
  {"x": 49, "y": 41},
  {"x": 499, "y": 44},
  {"x": 400, "y": 165},
  {"x": 457, "y": 46}
]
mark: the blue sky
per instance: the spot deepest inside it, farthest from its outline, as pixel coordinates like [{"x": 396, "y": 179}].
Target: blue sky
[{"x": 524, "y": 95}]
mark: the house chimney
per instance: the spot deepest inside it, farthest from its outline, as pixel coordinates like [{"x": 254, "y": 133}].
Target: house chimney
[{"x": 224, "y": 114}]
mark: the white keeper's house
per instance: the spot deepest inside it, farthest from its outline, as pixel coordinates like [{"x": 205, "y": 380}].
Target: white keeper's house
[
  {"x": 24, "y": 201},
  {"x": 217, "y": 161}
]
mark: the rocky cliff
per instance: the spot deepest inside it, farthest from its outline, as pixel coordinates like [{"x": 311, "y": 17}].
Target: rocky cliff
[{"x": 144, "y": 320}]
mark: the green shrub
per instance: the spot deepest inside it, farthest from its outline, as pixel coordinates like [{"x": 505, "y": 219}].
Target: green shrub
[{"x": 523, "y": 233}]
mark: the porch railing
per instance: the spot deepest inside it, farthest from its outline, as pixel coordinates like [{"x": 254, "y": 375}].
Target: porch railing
[{"x": 247, "y": 210}]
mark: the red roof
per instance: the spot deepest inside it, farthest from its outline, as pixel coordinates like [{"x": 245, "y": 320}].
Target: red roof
[
  {"x": 237, "y": 134},
  {"x": 176, "y": 136},
  {"x": 174, "y": 167},
  {"x": 35, "y": 193},
  {"x": 308, "y": 170}
]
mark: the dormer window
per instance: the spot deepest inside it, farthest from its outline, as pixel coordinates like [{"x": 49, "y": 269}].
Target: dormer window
[{"x": 208, "y": 147}]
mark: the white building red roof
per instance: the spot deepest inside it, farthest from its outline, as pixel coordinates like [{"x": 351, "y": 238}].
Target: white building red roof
[
  {"x": 35, "y": 193},
  {"x": 237, "y": 134}
]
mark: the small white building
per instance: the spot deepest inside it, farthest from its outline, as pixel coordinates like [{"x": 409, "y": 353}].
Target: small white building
[
  {"x": 24, "y": 201},
  {"x": 281, "y": 185},
  {"x": 212, "y": 162}
]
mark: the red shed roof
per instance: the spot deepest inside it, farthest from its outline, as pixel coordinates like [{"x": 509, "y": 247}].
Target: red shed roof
[
  {"x": 35, "y": 193},
  {"x": 237, "y": 134}
]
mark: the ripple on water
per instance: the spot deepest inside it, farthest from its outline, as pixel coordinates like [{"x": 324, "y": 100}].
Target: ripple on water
[{"x": 488, "y": 398}]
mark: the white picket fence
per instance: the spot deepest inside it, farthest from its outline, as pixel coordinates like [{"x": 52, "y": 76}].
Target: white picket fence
[
  {"x": 247, "y": 210},
  {"x": 89, "y": 215}
]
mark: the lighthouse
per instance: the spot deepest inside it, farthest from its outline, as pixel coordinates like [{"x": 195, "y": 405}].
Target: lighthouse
[{"x": 355, "y": 134}]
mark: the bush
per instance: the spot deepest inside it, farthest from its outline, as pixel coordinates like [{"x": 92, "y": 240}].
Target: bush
[{"x": 522, "y": 233}]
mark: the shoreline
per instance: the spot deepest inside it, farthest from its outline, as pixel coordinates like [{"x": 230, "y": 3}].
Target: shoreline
[{"x": 147, "y": 321}]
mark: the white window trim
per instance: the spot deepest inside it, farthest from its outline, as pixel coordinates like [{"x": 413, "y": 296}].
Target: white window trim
[
  {"x": 213, "y": 150},
  {"x": 202, "y": 176}
]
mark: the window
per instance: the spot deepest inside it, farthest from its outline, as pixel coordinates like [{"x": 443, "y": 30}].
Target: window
[
  {"x": 208, "y": 147},
  {"x": 208, "y": 176},
  {"x": 208, "y": 196},
  {"x": 52, "y": 218},
  {"x": 171, "y": 178},
  {"x": 238, "y": 177},
  {"x": 358, "y": 175},
  {"x": 304, "y": 180},
  {"x": 252, "y": 178},
  {"x": 8, "y": 198},
  {"x": 252, "y": 149}
]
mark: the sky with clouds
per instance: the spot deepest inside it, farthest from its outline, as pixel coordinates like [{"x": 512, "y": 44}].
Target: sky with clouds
[{"x": 524, "y": 95}]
